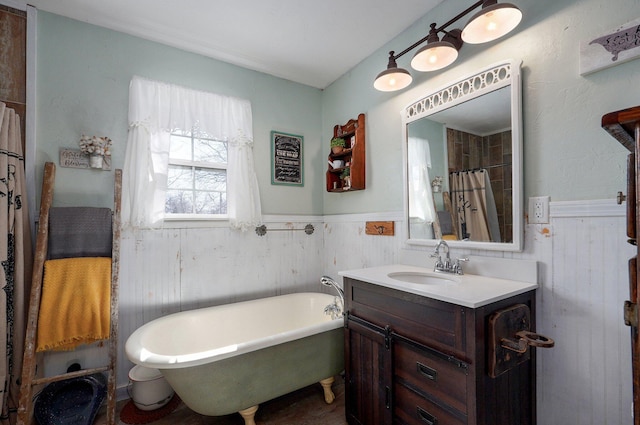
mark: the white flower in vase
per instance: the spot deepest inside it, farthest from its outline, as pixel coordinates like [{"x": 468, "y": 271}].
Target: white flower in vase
[{"x": 96, "y": 147}]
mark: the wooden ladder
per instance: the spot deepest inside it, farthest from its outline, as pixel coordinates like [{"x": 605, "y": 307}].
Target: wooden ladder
[{"x": 29, "y": 380}]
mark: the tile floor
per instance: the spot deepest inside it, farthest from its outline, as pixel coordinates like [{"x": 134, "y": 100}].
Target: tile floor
[{"x": 302, "y": 407}]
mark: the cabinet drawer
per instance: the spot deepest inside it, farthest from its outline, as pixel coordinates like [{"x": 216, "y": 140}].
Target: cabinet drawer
[
  {"x": 429, "y": 374},
  {"x": 411, "y": 409},
  {"x": 427, "y": 321}
]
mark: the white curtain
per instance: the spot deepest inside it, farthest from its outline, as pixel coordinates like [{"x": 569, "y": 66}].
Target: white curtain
[
  {"x": 155, "y": 110},
  {"x": 422, "y": 211}
]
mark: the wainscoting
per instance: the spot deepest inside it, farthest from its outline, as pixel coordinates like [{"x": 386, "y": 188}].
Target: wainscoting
[
  {"x": 582, "y": 265},
  {"x": 586, "y": 377}
]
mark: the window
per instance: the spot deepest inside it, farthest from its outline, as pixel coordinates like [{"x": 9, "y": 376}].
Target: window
[
  {"x": 207, "y": 174},
  {"x": 197, "y": 179}
]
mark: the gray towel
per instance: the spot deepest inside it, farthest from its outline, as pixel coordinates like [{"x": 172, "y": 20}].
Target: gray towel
[
  {"x": 446, "y": 226},
  {"x": 79, "y": 232}
]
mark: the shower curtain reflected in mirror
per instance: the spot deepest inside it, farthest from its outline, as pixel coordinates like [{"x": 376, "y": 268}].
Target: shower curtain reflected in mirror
[{"x": 473, "y": 206}]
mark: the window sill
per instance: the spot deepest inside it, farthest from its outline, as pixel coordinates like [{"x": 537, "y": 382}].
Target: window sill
[{"x": 180, "y": 221}]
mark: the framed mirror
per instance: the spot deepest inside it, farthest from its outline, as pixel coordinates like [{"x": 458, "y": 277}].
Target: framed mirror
[{"x": 463, "y": 163}]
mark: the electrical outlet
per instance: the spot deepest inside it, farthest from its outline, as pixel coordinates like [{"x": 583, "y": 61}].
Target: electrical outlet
[{"x": 538, "y": 209}]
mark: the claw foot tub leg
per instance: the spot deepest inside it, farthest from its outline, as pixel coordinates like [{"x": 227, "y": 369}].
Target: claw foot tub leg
[
  {"x": 248, "y": 415},
  {"x": 328, "y": 393}
]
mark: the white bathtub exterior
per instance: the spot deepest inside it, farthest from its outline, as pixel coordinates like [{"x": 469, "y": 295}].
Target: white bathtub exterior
[
  {"x": 228, "y": 358},
  {"x": 196, "y": 337}
]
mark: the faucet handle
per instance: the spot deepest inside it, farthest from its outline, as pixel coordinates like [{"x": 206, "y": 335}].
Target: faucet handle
[{"x": 457, "y": 267}]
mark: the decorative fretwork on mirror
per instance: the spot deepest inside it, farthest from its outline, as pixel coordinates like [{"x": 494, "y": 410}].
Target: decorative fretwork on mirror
[{"x": 463, "y": 162}]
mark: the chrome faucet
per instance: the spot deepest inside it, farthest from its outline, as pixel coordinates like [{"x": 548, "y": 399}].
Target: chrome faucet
[
  {"x": 334, "y": 309},
  {"x": 446, "y": 265},
  {"x": 442, "y": 266}
]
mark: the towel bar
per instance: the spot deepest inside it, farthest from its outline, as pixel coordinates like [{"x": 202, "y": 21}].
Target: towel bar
[{"x": 262, "y": 230}]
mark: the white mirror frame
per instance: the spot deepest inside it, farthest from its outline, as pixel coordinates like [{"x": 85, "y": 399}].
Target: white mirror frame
[{"x": 494, "y": 77}]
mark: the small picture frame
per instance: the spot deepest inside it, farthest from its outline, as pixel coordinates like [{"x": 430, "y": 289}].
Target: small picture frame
[{"x": 287, "y": 166}]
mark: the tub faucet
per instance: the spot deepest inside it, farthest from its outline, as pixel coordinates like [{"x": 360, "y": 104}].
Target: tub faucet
[{"x": 334, "y": 309}]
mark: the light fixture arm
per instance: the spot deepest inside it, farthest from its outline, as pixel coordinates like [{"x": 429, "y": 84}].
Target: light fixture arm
[{"x": 443, "y": 26}]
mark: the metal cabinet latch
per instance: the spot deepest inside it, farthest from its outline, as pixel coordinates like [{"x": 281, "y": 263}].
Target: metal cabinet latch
[{"x": 620, "y": 198}]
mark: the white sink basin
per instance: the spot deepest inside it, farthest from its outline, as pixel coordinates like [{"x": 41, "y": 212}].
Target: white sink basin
[
  {"x": 424, "y": 278},
  {"x": 469, "y": 290}
]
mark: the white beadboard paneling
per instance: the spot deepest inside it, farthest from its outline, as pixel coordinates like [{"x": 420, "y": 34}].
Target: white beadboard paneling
[
  {"x": 149, "y": 283},
  {"x": 587, "y": 376},
  {"x": 221, "y": 266},
  {"x": 347, "y": 246},
  {"x": 582, "y": 259}
]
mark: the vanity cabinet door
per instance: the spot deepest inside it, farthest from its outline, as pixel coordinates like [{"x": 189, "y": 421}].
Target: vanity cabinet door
[{"x": 368, "y": 373}]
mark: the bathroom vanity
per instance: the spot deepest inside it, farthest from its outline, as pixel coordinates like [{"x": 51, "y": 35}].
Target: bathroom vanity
[{"x": 422, "y": 348}]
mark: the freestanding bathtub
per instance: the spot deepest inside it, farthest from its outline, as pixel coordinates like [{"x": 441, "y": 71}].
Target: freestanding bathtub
[{"x": 231, "y": 358}]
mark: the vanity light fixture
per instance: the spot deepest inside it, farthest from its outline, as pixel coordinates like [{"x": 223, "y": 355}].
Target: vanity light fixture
[
  {"x": 490, "y": 23},
  {"x": 392, "y": 78},
  {"x": 437, "y": 54}
]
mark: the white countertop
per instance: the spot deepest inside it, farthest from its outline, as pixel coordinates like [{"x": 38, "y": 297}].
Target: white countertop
[{"x": 467, "y": 290}]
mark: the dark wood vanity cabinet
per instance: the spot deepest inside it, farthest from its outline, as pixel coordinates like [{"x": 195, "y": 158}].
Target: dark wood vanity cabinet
[{"x": 415, "y": 360}]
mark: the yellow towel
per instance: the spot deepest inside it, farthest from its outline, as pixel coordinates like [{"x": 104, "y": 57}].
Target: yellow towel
[{"x": 75, "y": 303}]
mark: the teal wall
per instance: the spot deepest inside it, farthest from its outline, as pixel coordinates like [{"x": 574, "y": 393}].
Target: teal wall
[
  {"x": 83, "y": 74},
  {"x": 84, "y": 71},
  {"x": 566, "y": 153}
]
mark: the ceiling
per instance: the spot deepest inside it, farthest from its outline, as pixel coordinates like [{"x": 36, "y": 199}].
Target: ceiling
[{"x": 309, "y": 42}]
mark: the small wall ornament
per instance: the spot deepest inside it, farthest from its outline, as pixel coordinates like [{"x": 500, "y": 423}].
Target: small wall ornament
[
  {"x": 616, "y": 46},
  {"x": 94, "y": 153},
  {"x": 97, "y": 148},
  {"x": 436, "y": 184}
]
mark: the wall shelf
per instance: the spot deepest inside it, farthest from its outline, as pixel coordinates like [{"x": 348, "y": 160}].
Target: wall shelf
[{"x": 353, "y": 156}]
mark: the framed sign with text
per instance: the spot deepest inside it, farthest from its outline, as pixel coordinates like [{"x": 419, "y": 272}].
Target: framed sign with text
[
  {"x": 616, "y": 46},
  {"x": 287, "y": 159}
]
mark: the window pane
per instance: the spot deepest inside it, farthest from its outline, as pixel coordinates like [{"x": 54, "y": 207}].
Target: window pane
[
  {"x": 211, "y": 179},
  {"x": 180, "y": 147},
  {"x": 179, "y": 202},
  {"x": 180, "y": 177},
  {"x": 196, "y": 189},
  {"x": 211, "y": 203},
  {"x": 210, "y": 151}
]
